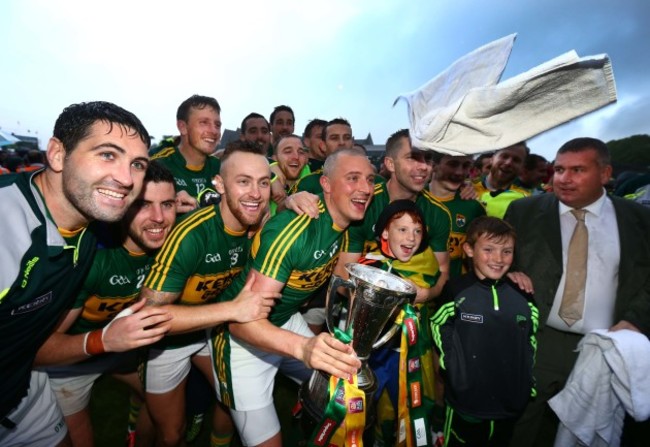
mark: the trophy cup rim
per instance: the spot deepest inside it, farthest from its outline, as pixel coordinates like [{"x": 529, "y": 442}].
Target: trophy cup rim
[{"x": 409, "y": 288}]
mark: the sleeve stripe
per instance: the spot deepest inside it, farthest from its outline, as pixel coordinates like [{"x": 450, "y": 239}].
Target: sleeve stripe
[
  {"x": 282, "y": 243},
  {"x": 161, "y": 266}
]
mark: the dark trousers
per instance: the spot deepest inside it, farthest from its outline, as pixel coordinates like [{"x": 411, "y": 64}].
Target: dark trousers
[
  {"x": 555, "y": 359},
  {"x": 468, "y": 432}
]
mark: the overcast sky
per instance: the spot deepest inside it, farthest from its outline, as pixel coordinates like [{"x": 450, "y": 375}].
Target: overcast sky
[{"x": 325, "y": 59}]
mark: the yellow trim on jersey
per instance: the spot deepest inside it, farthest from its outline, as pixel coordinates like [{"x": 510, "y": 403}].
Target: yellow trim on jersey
[
  {"x": 230, "y": 232},
  {"x": 164, "y": 153},
  {"x": 170, "y": 248},
  {"x": 70, "y": 233},
  {"x": 434, "y": 201},
  {"x": 282, "y": 243}
]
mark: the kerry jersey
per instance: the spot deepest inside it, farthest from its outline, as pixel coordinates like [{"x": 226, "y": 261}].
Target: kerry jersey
[
  {"x": 192, "y": 180},
  {"x": 298, "y": 251},
  {"x": 113, "y": 284},
  {"x": 462, "y": 212},
  {"x": 199, "y": 260}
]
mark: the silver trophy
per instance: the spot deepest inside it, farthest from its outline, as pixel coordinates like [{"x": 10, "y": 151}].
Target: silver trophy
[{"x": 375, "y": 299}]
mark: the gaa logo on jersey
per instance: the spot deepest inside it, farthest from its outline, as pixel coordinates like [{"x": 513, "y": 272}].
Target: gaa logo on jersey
[
  {"x": 356, "y": 405},
  {"x": 461, "y": 220},
  {"x": 413, "y": 365}
]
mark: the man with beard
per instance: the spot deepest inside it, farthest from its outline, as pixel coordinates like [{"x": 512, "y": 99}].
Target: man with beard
[
  {"x": 497, "y": 189},
  {"x": 410, "y": 171},
  {"x": 203, "y": 254},
  {"x": 449, "y": 175},
  {"x": 293, "y": 254},
  {"x": 282, "y": 122},
  {"x": 312, "y": 139},
  {"x": 291, "y": 159},
  {"x": 255, "y": 128},
  {"x": 534, "y": 173},
  {"x": 112, "y": 285},
  {"x": 198, "y": 119},
  {"x": 97, "y": 160}
]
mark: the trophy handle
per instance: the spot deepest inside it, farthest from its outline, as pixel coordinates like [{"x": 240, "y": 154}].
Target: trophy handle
[
  {"x": 387, "y": 336},
  {"x": 334, "y": 299}
]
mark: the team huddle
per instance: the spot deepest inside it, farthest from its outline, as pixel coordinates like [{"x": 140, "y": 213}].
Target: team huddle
[{"x": 151, "y": 265}]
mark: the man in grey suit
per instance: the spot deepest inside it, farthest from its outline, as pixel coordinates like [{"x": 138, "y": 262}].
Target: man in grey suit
[{"x": 617, "y": 290}]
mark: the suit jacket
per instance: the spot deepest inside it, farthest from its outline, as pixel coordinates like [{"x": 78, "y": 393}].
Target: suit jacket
[{"x": 538, "y": 253}]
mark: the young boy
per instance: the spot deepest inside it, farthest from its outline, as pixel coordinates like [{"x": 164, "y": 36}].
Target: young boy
[
  {"x": 484, "y": 331},
  {"x": 405, "y": 399}
]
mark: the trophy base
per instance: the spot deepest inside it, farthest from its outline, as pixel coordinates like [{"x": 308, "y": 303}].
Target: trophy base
[{"x": 314, "y": 397}]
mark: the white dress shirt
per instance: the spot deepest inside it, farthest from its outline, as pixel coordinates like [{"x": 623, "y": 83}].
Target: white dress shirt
[{"x": 603, "y": 258}]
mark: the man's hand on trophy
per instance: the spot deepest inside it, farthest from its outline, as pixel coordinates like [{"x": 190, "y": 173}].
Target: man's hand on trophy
[{"x": 326, "y": 353}]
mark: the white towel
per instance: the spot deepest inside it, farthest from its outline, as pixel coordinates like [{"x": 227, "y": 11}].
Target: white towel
[
  {"x": 609, "y": 379},
  {"x": 465, "y": 110}
]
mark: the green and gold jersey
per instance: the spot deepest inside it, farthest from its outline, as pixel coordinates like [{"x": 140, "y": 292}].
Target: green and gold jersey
[
  {"x": 436, "y": 217},
  {"x": 193, "y": 180},
  {"x": 496, "y": 202},
  {"x": 199, "y": 260},
  {"x": 462, "y": 213},
  {"x": 309, "y": 183},
  {"x": 113, "y": 284},
  {"x": 200, "y": 257},
  {"x": 298, "y": 251}
]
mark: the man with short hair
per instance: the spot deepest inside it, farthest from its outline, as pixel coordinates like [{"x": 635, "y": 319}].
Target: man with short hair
[
  {"x": 449, "y": 175},
  {"x": 337, "y": 134},
  {"x": 255, "y": 128},
  {"x": 312, "y": 138},
  {"x": 291, "y": 158},
  {"x": 533, "y": 173},
  {"x": 112, "y": 285},
  {"x": 294, "y": 254},
  {"x": 97, "y": 160},
  {"x": 483, "y": 164},
  {"x": 497, "y": 189},
  {"x": 616, "y": 289},
  {"x": 198, "y": 119},
  {"x": 282, "y": 122},
  {"x": 199, "y": 260}
]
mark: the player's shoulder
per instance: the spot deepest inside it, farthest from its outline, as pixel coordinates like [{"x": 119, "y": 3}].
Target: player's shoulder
[
  {"x": 164, "y": 153},
  {"x": 427, "y": 201}
]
